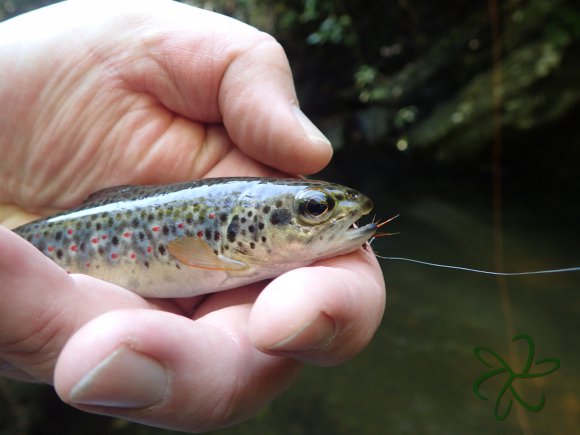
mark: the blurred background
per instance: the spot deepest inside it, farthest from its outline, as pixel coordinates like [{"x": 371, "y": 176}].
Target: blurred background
[{"x": 462, "y": 117}]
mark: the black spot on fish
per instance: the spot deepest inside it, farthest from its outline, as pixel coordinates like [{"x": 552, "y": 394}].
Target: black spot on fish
[
  {"x": 250, "y": 213},
  {"x": 233, "y": 230},
  {"x": 266, "y": 209},
  {"x": 58, "y": 235},
  {"x": 235, "y": 218},
  {"x": 223, "y": 217},
  {"x": 252, "y": 245},
  {"x": 88, "y": 224},
  {"x": 278, "y": 204},
  {"x": 165, "y": 229},
  {"x": 161, "y": 249},
  {"x": 189, "y": 219},
  {"x": 280, "y": 217},
  {"x": 115, "y": 240},
  {"x": 208, "y": 234},
  {"x": 146, "y": 264},
  {"x": 82, "y": 246},
  {"x": 110, "y": 222},
  {"x": 261, "y": 226},
  {"x": 264, "y": 239},
  {"x": 177, "y": 265},
  {"x": 150, "y": 217},
  {"x": 59, "y": 253},
  {"x": 243, "y": 220},
  {"x": 189, "y": 233},
  {"x": 251, "y": 228},
  {"x": 135, "y": 223},
  {"x": 98, "y": 226},
  {"x": 141, "y": 235}
]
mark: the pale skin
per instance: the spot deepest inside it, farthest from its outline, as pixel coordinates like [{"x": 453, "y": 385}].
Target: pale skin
[{"x": 96, "y": 94}]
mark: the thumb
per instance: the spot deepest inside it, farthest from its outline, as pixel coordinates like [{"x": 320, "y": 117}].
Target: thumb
[{"x": 214, "y": 69}]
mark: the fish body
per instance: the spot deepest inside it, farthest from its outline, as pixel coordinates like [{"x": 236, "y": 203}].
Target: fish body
[{"x": 204, "y": 236}]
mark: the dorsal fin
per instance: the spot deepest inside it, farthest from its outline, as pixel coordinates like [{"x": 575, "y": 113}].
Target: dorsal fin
[{"x": 107, "y": 192}]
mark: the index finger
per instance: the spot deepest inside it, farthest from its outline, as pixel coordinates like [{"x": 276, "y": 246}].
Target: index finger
[{"x": 322, "y": 314}]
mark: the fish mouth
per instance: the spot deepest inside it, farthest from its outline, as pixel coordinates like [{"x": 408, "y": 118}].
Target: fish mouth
[{"x": 354, "y": 232}]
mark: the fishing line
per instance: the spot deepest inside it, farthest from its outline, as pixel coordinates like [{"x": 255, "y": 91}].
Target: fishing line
[{"x": 485, "y": 272}]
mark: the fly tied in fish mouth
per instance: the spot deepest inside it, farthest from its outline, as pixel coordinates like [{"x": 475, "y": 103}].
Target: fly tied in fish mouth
[{"x": 204, "y": 236}]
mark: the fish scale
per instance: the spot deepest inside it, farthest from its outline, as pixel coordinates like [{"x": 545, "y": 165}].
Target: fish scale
[{"x": 203, "y": 236}]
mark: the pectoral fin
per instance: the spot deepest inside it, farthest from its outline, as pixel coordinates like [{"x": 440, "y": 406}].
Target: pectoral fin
[{"x": 197, "y": 253}]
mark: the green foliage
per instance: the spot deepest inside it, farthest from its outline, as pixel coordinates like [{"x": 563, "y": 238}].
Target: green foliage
[{"x": 426, "y": 65}]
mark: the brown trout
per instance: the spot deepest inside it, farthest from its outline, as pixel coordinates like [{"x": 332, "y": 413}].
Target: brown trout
[{"x": 204, "y": 236}]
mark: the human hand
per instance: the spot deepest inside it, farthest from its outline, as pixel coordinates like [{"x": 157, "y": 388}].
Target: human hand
[{"x": 98, "y": 95}]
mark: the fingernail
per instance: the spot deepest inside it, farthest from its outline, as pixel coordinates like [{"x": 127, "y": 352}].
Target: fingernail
[
  {"x": 314, "y": 335},
  {"x": 311, "y": 130},
  {"x": 125, "y": 379}
]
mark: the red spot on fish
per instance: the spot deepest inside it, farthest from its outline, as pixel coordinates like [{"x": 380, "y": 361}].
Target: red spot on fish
[
  {"x": 69, "y": 231},
  {"x": 216, "y": 236},
  {"x": 50, "y": 248},
  {"x": 200, "y": 234},
  {"x": 127, "y": 234},
  {"x": 37, "y": 235},
  {"x": 180, "y": 225},
  {"x": 155, "y": 229},
  {"x": 149, "y": 249},
  {"x": 211, "y": 215},
  {"x": 74, "y": 248},
  {"x": 88, "y": 264},
  {"x": 114, "y": 256},
  {"x": 133, "y": 256},
  {"x": 104, "y": 237},
  {"x": 95, "y": 240}
]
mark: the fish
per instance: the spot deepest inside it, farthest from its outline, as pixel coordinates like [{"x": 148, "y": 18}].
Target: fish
[{"x": 204, "y": 236}]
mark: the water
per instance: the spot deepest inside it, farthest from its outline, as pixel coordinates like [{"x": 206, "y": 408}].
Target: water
[{"x": 417, "y": 375}]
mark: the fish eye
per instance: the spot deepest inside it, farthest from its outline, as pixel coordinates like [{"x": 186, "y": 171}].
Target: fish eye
[{"x": 315, "y": 205}]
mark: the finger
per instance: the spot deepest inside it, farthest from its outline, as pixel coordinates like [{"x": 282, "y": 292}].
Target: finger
[
  {"x": 42, "y": 306},
  {"x": 169, "y": 371},
  {"x": 211, "y": 68},
  {"x": 323, "y": 314}
]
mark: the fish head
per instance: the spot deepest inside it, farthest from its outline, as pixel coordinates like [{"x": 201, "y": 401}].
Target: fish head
[{"x": 311, "y": 221}]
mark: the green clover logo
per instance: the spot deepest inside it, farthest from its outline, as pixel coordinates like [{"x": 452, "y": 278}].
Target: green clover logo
[{"x": 509, "y": 384}]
